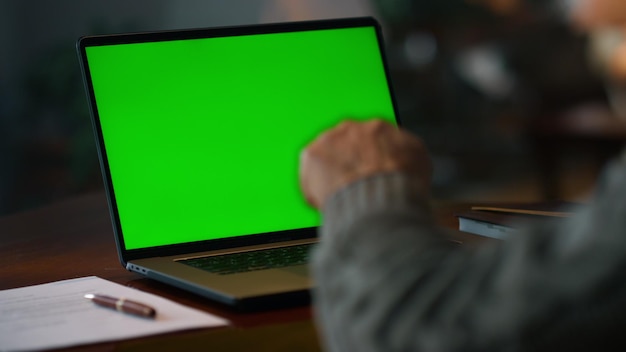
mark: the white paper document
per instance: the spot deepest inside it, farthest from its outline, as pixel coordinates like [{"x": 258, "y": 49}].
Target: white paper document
[{"x": 57, "y": 315}]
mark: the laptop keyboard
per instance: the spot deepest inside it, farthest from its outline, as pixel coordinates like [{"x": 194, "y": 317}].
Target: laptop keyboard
[{"x": 252, "y": 260}]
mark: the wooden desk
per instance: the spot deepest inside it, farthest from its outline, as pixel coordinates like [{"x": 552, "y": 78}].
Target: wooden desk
[{"x": 75, "y": 238}]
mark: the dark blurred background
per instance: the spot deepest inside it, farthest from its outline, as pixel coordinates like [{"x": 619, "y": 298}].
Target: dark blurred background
[{"x": 495, "y": 88}]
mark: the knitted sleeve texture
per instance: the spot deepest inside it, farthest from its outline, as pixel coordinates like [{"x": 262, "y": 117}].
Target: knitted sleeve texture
[{"x": 388, "y": 280}]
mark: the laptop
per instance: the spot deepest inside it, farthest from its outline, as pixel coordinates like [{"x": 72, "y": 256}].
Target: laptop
[{"x": 199, "y": 133}]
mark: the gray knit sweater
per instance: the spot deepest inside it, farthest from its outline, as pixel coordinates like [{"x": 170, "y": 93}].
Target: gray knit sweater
[{"x": 387, "y": 280}]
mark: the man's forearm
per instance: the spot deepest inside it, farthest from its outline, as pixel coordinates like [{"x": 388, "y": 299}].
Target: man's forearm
[
  {"x": 387, "y": 278},
  {"x": 371, "y": 231}
]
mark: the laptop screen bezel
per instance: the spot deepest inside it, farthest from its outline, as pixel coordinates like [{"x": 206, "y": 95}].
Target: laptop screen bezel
[{"x": 84, "y": 42}]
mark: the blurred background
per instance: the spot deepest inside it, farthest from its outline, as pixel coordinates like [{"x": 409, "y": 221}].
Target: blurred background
[{"x": 513, "y": 102}]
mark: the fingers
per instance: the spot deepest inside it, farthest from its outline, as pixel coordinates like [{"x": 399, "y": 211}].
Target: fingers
[
  {"x": 328, "y": 161},
  {"x": 309, "y": 163},
  {"x": 303, "y": 175},
  {"x": 354, "y": 150}
]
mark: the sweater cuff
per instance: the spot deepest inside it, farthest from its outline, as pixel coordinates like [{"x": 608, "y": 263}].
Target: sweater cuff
[{"x": 379, "y": 193}]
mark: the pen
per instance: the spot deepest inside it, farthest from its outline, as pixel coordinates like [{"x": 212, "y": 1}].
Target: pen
[{"x": 122, "y": 305}]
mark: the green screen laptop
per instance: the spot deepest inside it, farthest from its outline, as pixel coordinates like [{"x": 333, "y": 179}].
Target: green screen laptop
[{"x": 199, "y": 134}]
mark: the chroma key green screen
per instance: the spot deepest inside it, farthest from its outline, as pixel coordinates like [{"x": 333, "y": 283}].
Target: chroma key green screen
[{"x": 203, "y": 136}]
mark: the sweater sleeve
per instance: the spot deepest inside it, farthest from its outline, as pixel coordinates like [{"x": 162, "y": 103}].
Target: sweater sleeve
[{"x": 388, "y": 280}]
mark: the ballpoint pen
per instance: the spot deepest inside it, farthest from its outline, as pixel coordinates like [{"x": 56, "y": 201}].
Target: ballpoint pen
[{"x": 122, "y": 305}]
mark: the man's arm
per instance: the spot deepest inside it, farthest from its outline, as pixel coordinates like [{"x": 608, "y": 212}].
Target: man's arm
[{"x": 387, "y": 280}]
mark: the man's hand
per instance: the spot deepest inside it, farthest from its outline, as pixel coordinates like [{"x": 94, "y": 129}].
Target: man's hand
[{"x": 355, "y": 150}]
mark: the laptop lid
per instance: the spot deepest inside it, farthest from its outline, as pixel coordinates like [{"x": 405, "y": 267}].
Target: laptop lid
[{"x": 199, "y": 131}]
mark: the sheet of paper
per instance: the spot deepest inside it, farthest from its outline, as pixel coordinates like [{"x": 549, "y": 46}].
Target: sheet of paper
[{"x": 56, "y": 315}]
